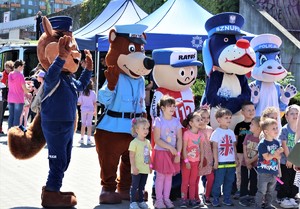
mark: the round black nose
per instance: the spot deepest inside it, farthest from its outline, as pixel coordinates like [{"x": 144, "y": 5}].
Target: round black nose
[{"x": 148, "y": 63}]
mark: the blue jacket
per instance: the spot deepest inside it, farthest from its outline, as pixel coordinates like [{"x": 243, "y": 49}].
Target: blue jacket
[{"x": 62, "y": 104}]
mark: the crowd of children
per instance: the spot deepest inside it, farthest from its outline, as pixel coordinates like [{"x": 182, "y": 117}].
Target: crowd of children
[{"x": 254, "y": 154}]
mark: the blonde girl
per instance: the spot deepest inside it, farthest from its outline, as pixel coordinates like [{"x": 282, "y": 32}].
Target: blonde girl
[{"x": 139, "y": 153}]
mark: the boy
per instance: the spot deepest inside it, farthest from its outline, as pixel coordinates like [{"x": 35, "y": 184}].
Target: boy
[
  {"x": 225, "y": 160},
  {"x": 269, "y": 152},
  {"x": 240, "y": 131},
  {"x": 288, "y": 190}
]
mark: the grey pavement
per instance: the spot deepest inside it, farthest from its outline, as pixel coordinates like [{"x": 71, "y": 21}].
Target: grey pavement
[{"x": 21, "y": 181}]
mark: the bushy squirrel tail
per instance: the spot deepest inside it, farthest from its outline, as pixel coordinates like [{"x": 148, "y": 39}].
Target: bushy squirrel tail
[{"x": 26, "y": 144}]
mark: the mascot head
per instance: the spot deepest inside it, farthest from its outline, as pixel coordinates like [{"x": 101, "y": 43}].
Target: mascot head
[
  {"x": 225, "y": 50},
  {"x": 127, "y": 50},
  {"x": 268, "y": 66},
  {"x": 47, "y": 48},
  {"x": 175, "y": 68}
]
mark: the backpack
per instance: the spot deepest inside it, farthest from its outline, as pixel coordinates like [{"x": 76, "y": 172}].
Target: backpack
[{"x": 38, "y": 98}]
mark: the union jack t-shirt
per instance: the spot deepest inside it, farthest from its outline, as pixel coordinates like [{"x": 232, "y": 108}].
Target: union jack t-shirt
[{"x": 225, "y": 139}]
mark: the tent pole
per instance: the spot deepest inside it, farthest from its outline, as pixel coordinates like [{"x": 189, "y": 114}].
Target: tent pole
[{"x": 97, "y": 80}]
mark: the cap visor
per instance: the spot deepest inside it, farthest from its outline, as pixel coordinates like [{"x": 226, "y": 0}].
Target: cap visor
[
  {"x": 137, "y": 40},
  {"x": 268, "y": 50},
  {"x": 230, "y": 32},
  {"x": 185, "y": 64}
]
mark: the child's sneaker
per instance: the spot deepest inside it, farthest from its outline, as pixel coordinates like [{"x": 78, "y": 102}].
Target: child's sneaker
[
  {"x": 228, "y": 202},
  {"x": 293, "y": 202},
  {"x": 244, "y": 202},
  {"x": 236, "y": 195},
  {"x": 89, "y": 142},
  {"x": 143, "y": 205},
  {"x": 159, "y": 204},
  {"x": 216, "y": 202},
  {"x": 286, "y": 203},
  {"x": 183, "y": 203},
  {"x": 169, "y": 203},
  {"x": 194, "y": 204},
  {"x": 206, "y": 200},
  {"x": 80, "y": 141},
  {"x": 134, "y": 205}
]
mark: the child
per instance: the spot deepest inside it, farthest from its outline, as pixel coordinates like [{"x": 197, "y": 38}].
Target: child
[
  {"x": 87, "y": 101},
  {"x": 269, "y": 152},
  {"x": 192, "y": 147},
  {"x": 139, "y": 153},
  {"x": 269, "y": 112},
  {"x": 206, "y": 162},
  {"x": 240, "y": 131},
  {"x": 225, "y": 159},
  {"x": 288, "y": 190},
  {"x": 2, "y": 86},
  {"x": 248, "y": 167},
  {"x": 166, "y": 156}
]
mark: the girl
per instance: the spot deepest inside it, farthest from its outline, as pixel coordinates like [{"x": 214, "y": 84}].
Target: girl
[
  {"x": 139, "y": 153},
  {"x": 206, "y": 161},
  {"x": 192, "y": 147},
  {"x": 166, "y": 156},
  {"x": 88, "y": 106},
  {"x": 248, "y": 167}
]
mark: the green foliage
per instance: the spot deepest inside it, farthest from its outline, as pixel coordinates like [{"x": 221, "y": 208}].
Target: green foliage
[
  {"x": 91, "y": 9},
  {"x": 48, "y": 7},
  {"x": 198, "y": 90},
  {"x": 289, "y": 79}
]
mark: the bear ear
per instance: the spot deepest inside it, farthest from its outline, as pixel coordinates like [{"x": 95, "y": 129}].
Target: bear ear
[
  {"x": 47, "y": 26},
  {"x": 112, "y": 35},
  {"x": 145, "y": 37}
]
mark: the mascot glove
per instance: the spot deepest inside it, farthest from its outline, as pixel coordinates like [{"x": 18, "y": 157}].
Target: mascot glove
[
  {"x": 64, "y": 48},
  {"x": 112, "y": 76},
  {"x": 88, "y": 60},
  {"x": 254, "y": 93},
  {"x": 287, "y": 93}
]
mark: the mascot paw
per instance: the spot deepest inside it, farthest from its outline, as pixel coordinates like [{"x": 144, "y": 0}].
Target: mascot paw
[
  {"x": 24, "y": 145},
  {"x": 56, "y": 199},
  {"x": 109, "y": 197},
  {"x": 62, "y": 193},
  {"x": 287, "y": 93},
  {"x": 112, "y": 76},
  {"x": 64, "y": 48},
  {"x": 88, "y": 60},
  {"x": 254, "y": 93}
]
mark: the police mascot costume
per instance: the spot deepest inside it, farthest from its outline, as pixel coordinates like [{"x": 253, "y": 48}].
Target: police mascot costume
[
  {"x": 266, "y": 92},
  {"x": 175, "y": 71},
  {"x": 123, "y": 95},
  {"x": 227, "y": 59},
  {"x": 57, "y": 52}
]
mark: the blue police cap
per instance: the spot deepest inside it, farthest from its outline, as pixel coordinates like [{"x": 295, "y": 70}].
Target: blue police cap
[
  {"x": 63, "y": 23},
  {"x": 133, "y": 32},
  {"x": 176, "y": 57},
  {"x": 266, "y": 43},
  {"x": 225, "y": 23}
]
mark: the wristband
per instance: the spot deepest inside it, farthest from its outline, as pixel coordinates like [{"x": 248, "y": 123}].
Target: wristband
[
  {"x": 186, "y": 160},
  {"x": 151, "y": 166},
  {"x": 178, "y": 153}
]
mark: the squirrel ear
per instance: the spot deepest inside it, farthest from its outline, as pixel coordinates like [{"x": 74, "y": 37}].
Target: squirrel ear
[
  {"x": 47, "y": 26},
  {"x": 112, "y": 36}
]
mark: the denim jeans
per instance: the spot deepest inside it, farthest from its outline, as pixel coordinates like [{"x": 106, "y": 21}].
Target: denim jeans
[
  {"x": 225, "y": 177},
  {"x": 265, "y": 187},
  {"x": 15, "y": 111}
]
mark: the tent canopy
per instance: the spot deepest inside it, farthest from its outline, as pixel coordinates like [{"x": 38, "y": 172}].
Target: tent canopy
[
  {"x": 177, "y": 23},
  {"x": 117, "y": 12}
]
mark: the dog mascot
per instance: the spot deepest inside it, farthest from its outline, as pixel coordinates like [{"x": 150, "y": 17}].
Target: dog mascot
[
  {"x": 58, "y": 54},
  {"x": 266, "y": 92},
  {"x": 175, "y": 71},
  {"x": 123, "y": 95},
  {"x": 227, "y": 58}
]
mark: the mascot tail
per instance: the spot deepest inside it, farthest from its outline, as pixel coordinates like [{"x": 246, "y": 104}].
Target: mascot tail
[{"x": 25, "y": 145}]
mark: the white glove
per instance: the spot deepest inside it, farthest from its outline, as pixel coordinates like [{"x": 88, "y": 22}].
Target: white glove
[
  {"x": 254, "y": 93},
  {"x": 287, "y": 93}
]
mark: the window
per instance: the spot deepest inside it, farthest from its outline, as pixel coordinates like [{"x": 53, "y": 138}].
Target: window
[{"x": 30, "y": 11}]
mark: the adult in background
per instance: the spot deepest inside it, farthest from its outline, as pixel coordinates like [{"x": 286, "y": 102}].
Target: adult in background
[{"x": 17, "y": 88}]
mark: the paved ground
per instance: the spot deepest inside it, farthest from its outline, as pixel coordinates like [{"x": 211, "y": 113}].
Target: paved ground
[{"x": 21, "y": 181}]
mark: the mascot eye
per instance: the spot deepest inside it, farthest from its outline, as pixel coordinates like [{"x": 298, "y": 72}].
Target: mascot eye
[
  {"x": 277, "y": 58},
  {"x": 181, "y": 72},
  {"x": 131, "y": 48},
  {"x": 142, "y": 48},
  {"x": 226, "y": 40},
  {"x": 262, "y": 59},
  {"x": 192, "y": 73}
]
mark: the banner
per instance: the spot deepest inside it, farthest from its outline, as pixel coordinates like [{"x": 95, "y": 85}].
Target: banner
[{"x": 6, "y": 16}]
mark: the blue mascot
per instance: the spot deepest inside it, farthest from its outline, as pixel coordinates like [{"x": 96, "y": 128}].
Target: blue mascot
[
  {"x": 227, "y": 59},
  {"x": 266, "y": 92}
]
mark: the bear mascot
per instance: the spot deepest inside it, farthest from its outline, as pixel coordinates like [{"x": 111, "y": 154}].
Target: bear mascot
[
  {"x": 266, "y": 92},
  {"x": 227, "y": 59},
  {"x": 55, "y": 123},
  {"x": 123, "y": 95},
  {"x": 175, "y": 71}
]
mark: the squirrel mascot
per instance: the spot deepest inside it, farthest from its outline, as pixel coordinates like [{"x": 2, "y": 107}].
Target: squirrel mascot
[
  {"x": 227, "y": 59},
  {"x": 55, "y": 123},
  {"x": 266, "y": 92},
  {"x": 123, "y": 95}
]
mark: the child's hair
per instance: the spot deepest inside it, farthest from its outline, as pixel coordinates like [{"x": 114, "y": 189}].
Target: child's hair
[
  {"x": 137, "y": 122},
  {"x": 222, "y": 112},
  {"x": 256, "y": 120},
  {"x": 9, "y": 64},
  {"x": 293, "y": 106},
  {"x": 267, "y": 112},
  {"x": 191, "y": 116},
  {"x": 203, "y": 109},
  {"x": 264, "y": 124},
  {"x": 246, "y": 103},
  {"x": 86, "y": 91},
  {"x": 164, "y": 101}
]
